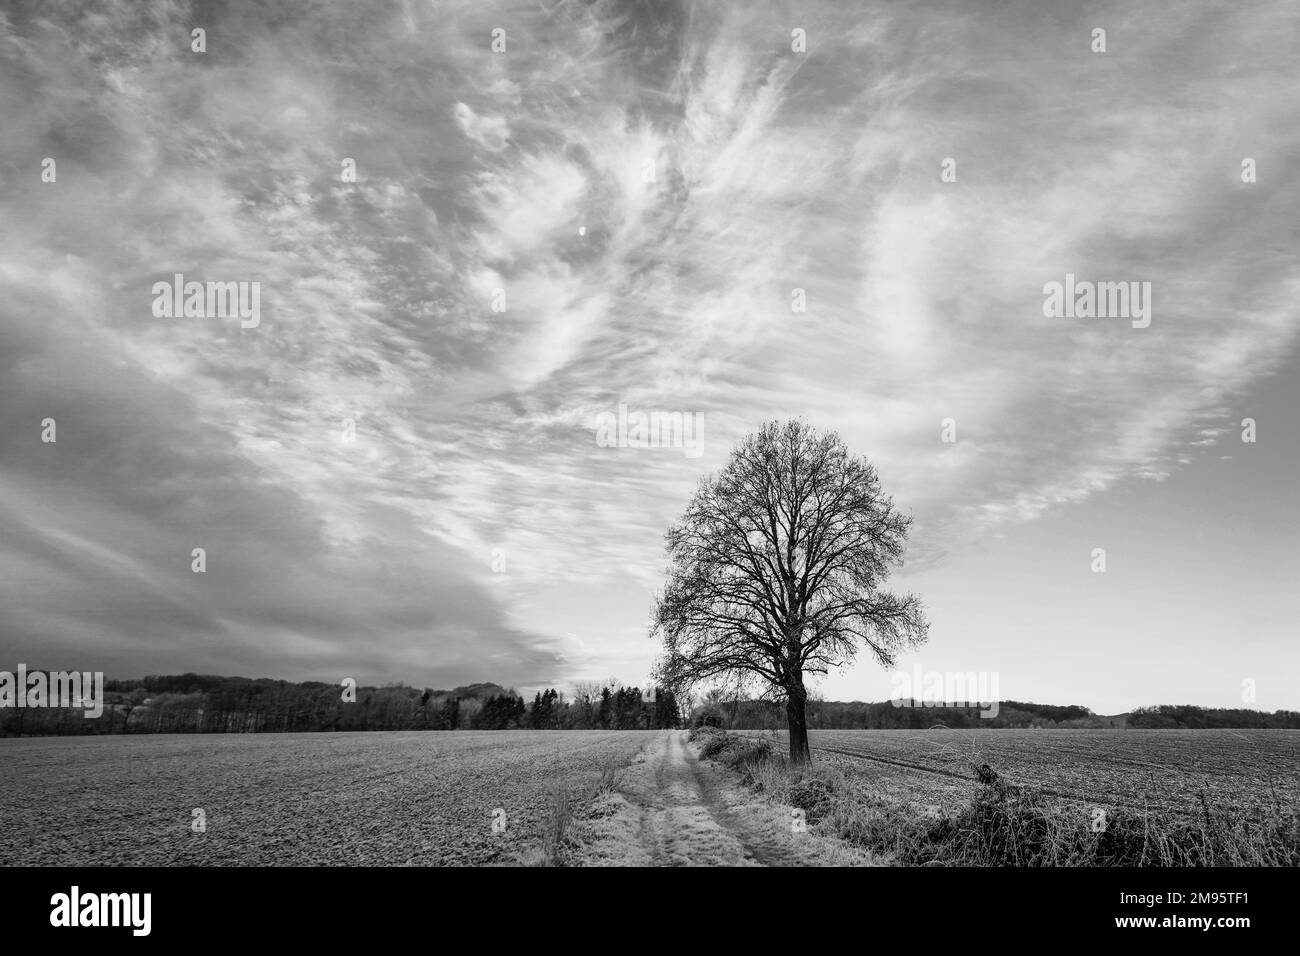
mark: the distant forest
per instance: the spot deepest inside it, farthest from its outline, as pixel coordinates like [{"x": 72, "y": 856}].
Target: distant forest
[
  {"x": 194, "y": 703},
  {"x": 202, "y": 704},
  {"x": 904, "y": 715}
]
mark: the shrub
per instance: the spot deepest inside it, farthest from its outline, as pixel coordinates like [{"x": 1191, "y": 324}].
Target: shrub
[
  {"x": 738, "y": 751},
  {"x": 709, "y": 716},
  {"x": 813, "y": 794},
  {"x": 704, "y": 733}
]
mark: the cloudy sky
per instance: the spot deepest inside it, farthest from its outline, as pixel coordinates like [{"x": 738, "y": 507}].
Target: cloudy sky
[{"x": 646, "y": 184}]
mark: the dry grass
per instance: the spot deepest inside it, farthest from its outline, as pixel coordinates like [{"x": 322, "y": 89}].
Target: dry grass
[
  {"x": 564, "y": 834},
  {"x": 557, "y": 834},
  {"x": 1001, "y": 824},
  {"x": 608, "y": 782}
]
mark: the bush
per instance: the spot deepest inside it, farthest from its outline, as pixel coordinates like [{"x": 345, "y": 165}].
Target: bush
[
  {"x": 702, "y": 732},
  {"x": 731, "y": 750},
  {"x": 814, "y": 795},
  {"x": 1005, "y": 825},
  {"x": 709, "y": 716},
  {"x": 740, "y": 751}
]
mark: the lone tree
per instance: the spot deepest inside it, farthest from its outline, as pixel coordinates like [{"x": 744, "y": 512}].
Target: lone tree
[{"x": 776, "y": 570}]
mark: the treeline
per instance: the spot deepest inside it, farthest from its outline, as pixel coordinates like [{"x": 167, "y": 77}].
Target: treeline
[
  {"x": 889, "y": 715},
  {"x": 197, "y": 703},
  {"x": 202, "y": 704},
  {"x": 1190, "y": 717},
  {"x": 909, "y": 715},
  {"x": 623, "y": 708}
]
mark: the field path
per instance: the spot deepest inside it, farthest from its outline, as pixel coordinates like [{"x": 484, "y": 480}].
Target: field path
[{"x": 672, "y": 809}]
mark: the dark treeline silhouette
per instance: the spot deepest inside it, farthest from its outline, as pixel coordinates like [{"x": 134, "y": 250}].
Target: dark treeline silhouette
[
  {"x": 889, "y": 715},
  {"x": 1190, "y": 717},
  {"x": 198, "y": 703}
]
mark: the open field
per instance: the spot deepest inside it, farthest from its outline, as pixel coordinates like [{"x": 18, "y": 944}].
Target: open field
[
  {"x": 1247, "y": 770},
  {"x": 428, "y": 798},
  {"x": 1038, "y": 797},
  {"x": 294, "y": 799}
]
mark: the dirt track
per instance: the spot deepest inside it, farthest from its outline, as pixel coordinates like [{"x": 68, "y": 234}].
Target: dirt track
[{"x": 672, "y": 809}]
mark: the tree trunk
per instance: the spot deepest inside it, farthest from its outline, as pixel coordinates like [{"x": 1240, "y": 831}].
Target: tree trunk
[{"x": 795, "y": 710}]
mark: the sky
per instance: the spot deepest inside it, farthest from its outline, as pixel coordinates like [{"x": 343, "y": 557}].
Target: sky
[{"x": 395, "y": 474}]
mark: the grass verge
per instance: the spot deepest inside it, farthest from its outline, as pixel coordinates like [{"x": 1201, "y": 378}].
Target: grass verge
[{"x": 564, "y": 833}]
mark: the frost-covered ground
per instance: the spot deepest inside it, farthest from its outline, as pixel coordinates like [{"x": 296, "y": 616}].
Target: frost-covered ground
[
  {"x": 422, "y": 798},
  {"x": 671, "y": 809}
]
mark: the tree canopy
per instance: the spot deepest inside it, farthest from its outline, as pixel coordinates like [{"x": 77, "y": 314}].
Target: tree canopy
[{"x": 776, "y": 571}]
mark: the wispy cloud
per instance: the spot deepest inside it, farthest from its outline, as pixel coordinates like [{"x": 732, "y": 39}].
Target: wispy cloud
[{"x": 637, "y": 190}]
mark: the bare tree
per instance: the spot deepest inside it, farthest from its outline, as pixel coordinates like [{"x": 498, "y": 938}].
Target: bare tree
[
  {"x": 776, "y": 569},
  {"x": 586, "y": 691}
]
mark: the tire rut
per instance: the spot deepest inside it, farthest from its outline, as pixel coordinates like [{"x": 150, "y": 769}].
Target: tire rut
[{"x": 671, "y": 809}]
